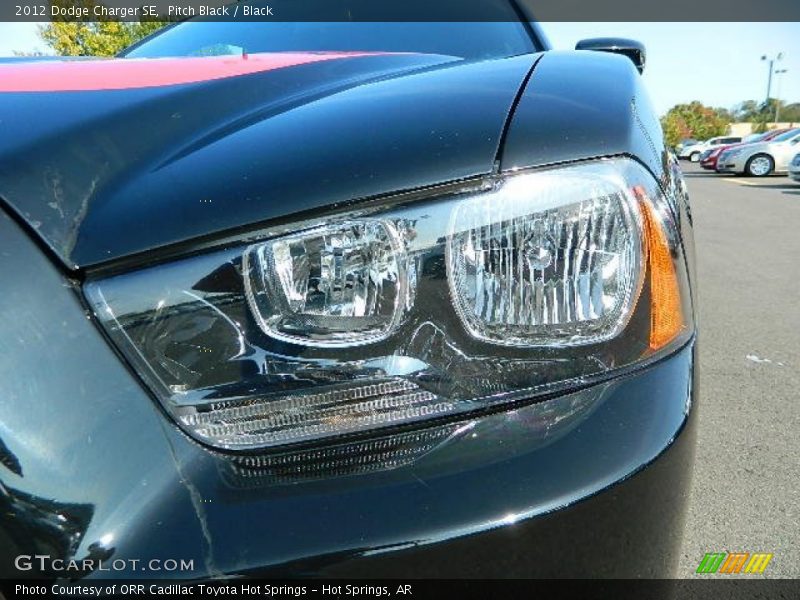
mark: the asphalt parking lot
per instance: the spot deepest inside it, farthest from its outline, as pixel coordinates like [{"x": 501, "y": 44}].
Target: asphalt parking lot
[{"x": 746, "y": 486}]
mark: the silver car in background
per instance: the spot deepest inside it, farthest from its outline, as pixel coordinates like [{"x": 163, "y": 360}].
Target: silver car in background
[
  {"x": 794, "y": 168},
  {"x": 762, "y": 158},
  {"x": 685, "y": 143},
  {"x": 692, "y": 152}
]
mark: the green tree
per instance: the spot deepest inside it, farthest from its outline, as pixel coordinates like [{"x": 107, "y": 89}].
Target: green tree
[
  {"x": 675, "y": 128},
  {"x": 764, "y": 113},
  {"x": 101, "y": 36},
  {"x": 791, "y": 112},
  {"x": 724, "y": 113},
  {"x": 693, "y": 120},
  {"x": 745, "y": 111}
]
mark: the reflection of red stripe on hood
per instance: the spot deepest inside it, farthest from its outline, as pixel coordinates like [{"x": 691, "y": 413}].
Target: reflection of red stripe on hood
[{"x": 130, "y": 73}]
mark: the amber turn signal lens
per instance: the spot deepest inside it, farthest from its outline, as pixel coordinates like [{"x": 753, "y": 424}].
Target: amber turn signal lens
[{"x": 666, "y": 314}]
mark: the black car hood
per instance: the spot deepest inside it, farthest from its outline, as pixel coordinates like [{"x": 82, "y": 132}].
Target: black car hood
[{"x": 103, "y": 174}]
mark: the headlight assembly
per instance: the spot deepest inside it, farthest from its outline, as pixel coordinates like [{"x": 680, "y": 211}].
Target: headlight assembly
[{"x": 544, "y": 280}]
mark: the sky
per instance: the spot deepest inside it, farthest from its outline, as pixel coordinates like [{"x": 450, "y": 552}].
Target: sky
[{"x": 718, "y": 64}]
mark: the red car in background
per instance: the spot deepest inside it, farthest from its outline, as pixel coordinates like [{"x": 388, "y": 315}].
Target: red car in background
[{"x": 708, "y": 160}]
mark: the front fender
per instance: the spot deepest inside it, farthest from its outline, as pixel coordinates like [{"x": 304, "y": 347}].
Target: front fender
[{"x": 580, "y": 105}]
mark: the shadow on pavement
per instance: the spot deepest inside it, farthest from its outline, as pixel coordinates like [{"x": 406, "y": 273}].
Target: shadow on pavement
[
  {"x": 701, "y": 174},
  {"x": 774, "y": 186}
]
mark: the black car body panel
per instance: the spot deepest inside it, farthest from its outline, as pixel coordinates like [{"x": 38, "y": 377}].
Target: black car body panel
[
  {"x": 583, "y": 105},
  {"x": 592, "y": 483},
  {"x": 83, "y": 167}
]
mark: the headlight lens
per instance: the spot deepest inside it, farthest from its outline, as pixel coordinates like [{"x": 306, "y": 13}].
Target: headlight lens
[
  {"x": 547, "y": 260},
  {"x": 338, "y": 285},
  {"x": 392, "y": 315}
]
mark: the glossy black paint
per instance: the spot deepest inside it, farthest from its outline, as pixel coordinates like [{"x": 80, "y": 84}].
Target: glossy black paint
[
  {"x": 92, "y": 446},
  {"x": 81, "y": 167},
  {"x": 192, "y": 160},
  {"x": 584, "y": 105}
]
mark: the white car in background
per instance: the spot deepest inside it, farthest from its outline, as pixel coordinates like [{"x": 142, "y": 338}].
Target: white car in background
[
  {"x": 684, "y": 143},
  {"x": 794, "y": 168},
  {"x": 762, "y": 158},
  {"x": 693, "y": 152}
]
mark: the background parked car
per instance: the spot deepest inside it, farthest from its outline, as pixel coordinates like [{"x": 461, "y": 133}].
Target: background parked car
[
  {"x": 762, "y": 158},
  {"x": 708, "y": 160},
  {"x": 794, "y": 168},
  {"x": 685, "y": 143},
  {"x": 693, "y": 152}
]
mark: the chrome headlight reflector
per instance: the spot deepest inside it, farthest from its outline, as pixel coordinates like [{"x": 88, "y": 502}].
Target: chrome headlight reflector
[
  {"x": 540, "y": 281},
  {"x": 339, "y": 285},
  {"x": 551, "y": 259}
]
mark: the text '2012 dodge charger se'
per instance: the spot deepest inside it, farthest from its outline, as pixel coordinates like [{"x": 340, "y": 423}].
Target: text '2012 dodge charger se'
[{"x": 343, "y": 299}]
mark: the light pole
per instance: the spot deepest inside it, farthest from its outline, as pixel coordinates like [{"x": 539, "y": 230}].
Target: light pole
[
  {"x": 771, "y": 61},
  {"x": 778, "y": 93}
]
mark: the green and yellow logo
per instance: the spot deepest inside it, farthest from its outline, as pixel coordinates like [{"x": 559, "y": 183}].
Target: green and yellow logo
[{"x": 734, "y": 562}]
